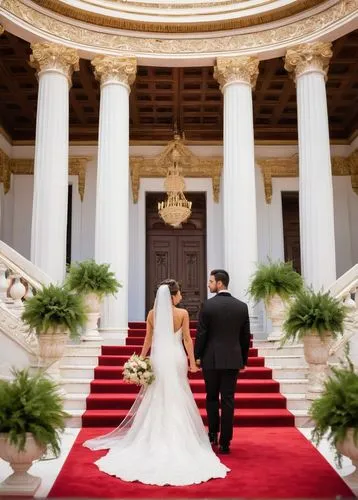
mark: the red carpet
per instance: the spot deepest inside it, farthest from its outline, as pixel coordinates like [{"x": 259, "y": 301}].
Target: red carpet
[
  {"x": 258, "y": 401},
  {"x": 265, "y": 463}
]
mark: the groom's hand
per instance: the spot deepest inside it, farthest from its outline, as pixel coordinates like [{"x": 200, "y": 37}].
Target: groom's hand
[{"x": 198, "y": 362}]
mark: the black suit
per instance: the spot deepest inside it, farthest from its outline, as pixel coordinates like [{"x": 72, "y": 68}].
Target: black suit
[{"x": 222, "y": 344}]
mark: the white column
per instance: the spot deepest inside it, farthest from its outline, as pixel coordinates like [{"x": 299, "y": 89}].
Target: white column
[
  {"x": 112, "y": 205},
  {"x": 54, "y": 65},
  {"x": 237, "y": 76},
  {"x": 309, "y": 64}
]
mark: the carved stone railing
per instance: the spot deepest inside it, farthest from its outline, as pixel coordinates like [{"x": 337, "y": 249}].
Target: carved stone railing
[
  {"x": 19, "y": 278},
  {"x": 346, "y": 290}
]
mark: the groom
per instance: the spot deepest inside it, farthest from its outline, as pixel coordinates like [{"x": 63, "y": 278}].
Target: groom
[{"x": 221, "y": 349}]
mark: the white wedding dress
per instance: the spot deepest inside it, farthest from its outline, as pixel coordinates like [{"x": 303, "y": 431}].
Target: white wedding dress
[{"x": 162, "y": 441}]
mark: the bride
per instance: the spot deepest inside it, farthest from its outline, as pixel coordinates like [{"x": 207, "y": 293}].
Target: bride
[{"x": 162, "y": 440}]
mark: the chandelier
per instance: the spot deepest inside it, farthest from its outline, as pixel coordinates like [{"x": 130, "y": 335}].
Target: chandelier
[{"x": 176, "y": 209}]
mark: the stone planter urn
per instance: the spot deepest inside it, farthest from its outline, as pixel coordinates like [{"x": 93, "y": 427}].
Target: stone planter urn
[
  {"x": 316, "y": 351},
  {"x": 349, "y": 449},
  {"x": 275, "y": 308},
  {"x": 52, "y": 346},
  {"x": 20, "y": 483},
  {"x": 93, "y": 305}
]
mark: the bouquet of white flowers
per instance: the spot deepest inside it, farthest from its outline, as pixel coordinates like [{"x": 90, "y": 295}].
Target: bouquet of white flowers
[{"x": 138, "y": 371}]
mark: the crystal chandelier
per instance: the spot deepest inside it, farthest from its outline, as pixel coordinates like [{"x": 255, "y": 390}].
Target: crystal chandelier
[{"x": 176, "y": 209}]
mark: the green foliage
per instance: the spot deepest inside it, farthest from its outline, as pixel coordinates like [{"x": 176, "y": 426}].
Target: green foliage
[
  {"x": 31, "y": 404},
  {"x": 89, "y": 277},
  {"x": 313, "y": 313},
  {"x": 275, "y": 278},
  {"x": 55, "y": 307},
  {"x": 336, "y": 410}
]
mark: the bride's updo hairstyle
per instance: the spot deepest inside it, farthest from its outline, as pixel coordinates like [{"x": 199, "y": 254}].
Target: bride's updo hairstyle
[{"x": 172, "y": 285}]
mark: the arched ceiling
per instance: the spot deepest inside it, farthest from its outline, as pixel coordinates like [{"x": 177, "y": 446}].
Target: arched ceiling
[{"x": 189, "y": 96}]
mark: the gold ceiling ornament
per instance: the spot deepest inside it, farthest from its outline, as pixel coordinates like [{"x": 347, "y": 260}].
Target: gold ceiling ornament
[
  {"x": 308, "y": 56},
  {"x": 1, "y": 29},
  {"x": 25, "y": 166},
  {"x": 112, "y": 68},
  {"x": 176, "y": 209},
  {"x": 91, "y": 36},
  {"x": 236, "y": 69},
  {"x": 47, "y": 56},
  {"x": 288, "y": 167},
  {"x": 190, "y": 164}
]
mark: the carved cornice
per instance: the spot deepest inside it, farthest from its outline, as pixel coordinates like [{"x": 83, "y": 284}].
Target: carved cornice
[
  {"x": 25, "y": 166},
  {"x": 50, "y": 26},
  {"x": 308, "y": 57},
  {"x": 191, "y": 165},
  {"x": 46, "y": 56},
  {"x": 288, "y": 167},
  {"x": 242, "y": 69},
  {"x": 115, "y": 69}
]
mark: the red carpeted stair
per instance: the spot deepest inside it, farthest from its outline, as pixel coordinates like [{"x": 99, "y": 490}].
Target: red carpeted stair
[{"x": 258, "y": 402}]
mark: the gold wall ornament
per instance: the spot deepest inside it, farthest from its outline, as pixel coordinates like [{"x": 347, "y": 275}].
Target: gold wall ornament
[
  {"x": 1, "y": 29},
  {"x": 25, "y": 166},
  {"x": 288, "y": 167},
  {"x": 91, "y": 36},
  {"x": 112, "y": 68},
  {"x": 191, "y": 166},
  {"x": 277, "y": 167},
  {"x": 47, "y": 56},
  {"x": 236, "y": 69},
  {"x": 308, "y": 56},
  {"x": 5, "y": 172}
]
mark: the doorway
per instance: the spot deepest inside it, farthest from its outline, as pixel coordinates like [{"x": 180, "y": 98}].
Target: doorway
[
  {"x": 291, "y": 228},
  {"x": 177, "y": 253}
]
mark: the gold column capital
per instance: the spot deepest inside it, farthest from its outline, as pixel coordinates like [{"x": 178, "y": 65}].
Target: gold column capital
[
  {"x": 244, "y": 69},
  {"x": 117, "y": 69},
  {"x": 47, "y": 56},
  {"x": 308, "y": 57}
]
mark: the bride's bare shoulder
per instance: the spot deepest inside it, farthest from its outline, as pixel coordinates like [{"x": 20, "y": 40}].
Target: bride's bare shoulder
[{"x": 150, "y": 316}]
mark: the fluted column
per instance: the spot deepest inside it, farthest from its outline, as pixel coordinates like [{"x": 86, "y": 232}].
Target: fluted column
[
  {"x": 54, "y": 65},
  {"x": 112, "y": 209},
  {"x": 309, "y": 65},
  {"x": 237, "y": 76}
]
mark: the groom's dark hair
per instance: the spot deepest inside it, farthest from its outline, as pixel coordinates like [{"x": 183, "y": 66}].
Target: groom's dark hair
[
  {"x": 173, "y": 286},
  {"x": 221, "y": 275}
]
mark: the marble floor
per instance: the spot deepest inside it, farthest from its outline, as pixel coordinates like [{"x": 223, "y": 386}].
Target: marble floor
[{"x": 49, "y": 469}]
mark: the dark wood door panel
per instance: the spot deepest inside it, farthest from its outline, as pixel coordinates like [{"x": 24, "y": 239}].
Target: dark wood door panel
[{"x": 291, "y": 228}]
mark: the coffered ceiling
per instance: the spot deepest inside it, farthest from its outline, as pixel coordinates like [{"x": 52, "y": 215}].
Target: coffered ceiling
[{"x": 190, "y": 97}]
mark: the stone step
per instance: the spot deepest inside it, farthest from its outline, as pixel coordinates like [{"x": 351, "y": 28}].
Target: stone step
[
  {"x": 297, "y": 402},
  {"x": 85, "y": 348},
  {"x": 293, "y": 386},
  {"x": 282, "y": 372},
  {"x": 80, "y": 360},
  {"x": 290, "y": 350},
  {"x": 285, "y": 361},
  {"x": 76, "y": 385},
  {"x": 76, "y": 371}
]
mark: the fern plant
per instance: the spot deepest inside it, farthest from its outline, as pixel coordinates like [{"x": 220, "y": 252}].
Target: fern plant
[
  {"x": 336, "y": 411},
  {"x": 312, "y": 312},
  {"x": 55, "y": 307},
  {"x": 89, "y": 277},
  {"x": 275, "y": 278},
  {"x": 31, "y": 404}
]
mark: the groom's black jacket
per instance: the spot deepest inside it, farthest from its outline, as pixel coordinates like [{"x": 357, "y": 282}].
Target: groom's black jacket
[{"x": 223, "y": 333}]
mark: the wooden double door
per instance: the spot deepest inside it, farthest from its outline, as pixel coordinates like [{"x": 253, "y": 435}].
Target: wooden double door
[{"x": 177, "y": 253}]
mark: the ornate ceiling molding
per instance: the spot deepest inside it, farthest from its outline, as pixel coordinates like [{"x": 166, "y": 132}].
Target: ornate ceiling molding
[
  {"x": 191, "y": 165},
  {"x": 25, "y": 166},
  {"x": 92, "y": 38},
  {"x": 288, "y": 167},
  {"x": 161, "y": 18}
]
